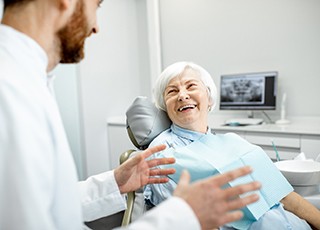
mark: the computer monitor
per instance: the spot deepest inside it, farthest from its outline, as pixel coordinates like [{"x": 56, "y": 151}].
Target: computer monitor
[{"x": 248, "y": 91}]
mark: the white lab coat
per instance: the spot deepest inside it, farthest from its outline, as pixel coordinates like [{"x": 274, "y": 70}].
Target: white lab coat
[{"x": 38, "y": 181}]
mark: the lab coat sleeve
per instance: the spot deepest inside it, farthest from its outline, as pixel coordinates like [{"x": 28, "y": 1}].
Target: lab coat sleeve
[
  {"x": 174, "y": 213},
  {"x": 100, "y": 196}
]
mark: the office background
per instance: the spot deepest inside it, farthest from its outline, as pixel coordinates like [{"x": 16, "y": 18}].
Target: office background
[{"x": 223, "y": 36}]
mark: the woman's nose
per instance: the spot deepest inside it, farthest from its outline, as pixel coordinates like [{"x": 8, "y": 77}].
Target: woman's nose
[{"x": 183, "y": 96}]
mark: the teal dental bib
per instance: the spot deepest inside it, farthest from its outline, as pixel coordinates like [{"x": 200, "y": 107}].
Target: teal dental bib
[{"x": 217, "y": 154}]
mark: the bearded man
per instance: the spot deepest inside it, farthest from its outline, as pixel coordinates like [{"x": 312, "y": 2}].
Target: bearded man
[{"x": 38, "y": 181}]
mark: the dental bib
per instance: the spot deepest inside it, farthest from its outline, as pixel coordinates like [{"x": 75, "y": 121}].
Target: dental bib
[{"x": 217, "y": 154}]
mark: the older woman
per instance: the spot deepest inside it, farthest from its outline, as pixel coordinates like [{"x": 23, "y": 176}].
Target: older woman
[{"x": 187, "y": 93}]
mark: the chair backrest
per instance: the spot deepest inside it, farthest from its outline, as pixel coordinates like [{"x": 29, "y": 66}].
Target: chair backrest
[{"x": 145, "y": 121}]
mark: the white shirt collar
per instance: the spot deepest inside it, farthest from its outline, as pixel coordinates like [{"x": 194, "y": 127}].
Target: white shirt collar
[{"x": 25, "y": 51}]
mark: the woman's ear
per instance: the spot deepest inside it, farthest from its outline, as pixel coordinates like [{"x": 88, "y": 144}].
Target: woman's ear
[
  {"x": 210, "y": 99},
  {"x": 212, "y": 103}
]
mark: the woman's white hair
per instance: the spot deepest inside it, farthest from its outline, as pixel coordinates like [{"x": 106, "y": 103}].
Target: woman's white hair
[{"x": 177, "y": 69}]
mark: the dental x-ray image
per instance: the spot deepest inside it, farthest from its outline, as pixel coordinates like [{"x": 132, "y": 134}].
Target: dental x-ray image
[{"x": 248, "y": 90}]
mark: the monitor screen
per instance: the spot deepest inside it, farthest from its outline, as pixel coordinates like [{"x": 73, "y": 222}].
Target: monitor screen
[{"x": 248, "y": 91}]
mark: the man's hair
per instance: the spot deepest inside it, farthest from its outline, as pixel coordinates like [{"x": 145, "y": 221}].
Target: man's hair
[{"x": 10, "y": 3}]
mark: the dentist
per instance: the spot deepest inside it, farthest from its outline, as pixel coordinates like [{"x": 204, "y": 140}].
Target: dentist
[{"x": 38, "y": 181}]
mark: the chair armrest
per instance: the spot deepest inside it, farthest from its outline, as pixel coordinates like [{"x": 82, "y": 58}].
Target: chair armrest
[
  {"x": 131, "y": 195},
  {"x": 128, "y": 212},
  {"x": 125, "y": 155}
]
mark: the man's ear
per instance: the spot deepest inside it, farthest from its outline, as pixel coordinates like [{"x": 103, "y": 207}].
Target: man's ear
[
  {"x": 65, "y": 9},
  {"x": 66, "y": 4}
]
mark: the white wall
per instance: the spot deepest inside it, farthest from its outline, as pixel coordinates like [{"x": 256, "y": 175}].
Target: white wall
[
  {"x": 113, "y": 73},
  {"x": 66, "y": 85},
  {"x": 1, "y": 8},
  {"x": 235, "y": 36}
]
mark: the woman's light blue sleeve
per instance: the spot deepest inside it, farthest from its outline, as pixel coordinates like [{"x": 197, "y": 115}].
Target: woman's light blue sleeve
[
  {"x": 159, "y": 192},
  {"x": 156, "y": 193}
]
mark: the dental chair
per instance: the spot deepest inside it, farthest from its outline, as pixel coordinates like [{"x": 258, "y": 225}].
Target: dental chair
[{"x": 144, "y": 123}]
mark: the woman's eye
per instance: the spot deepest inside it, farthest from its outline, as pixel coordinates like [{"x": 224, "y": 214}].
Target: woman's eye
[
  {"x": 192, "y": 85},
  {"x": 171, "y": 91}
]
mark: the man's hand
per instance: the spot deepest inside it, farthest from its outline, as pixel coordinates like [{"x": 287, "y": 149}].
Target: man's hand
[
  {"x": 137, "y": 171},
  {"x": 212, "y": 205}
]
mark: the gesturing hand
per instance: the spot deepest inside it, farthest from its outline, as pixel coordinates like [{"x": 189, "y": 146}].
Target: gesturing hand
[
  {"x": 213, "y": 205},
  {"x": 137, "y": 171}
]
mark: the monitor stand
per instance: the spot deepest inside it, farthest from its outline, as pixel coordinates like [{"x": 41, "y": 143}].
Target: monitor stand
[
  {"x": 244, "y": 121},
  {"x": 250, "y": 114}
]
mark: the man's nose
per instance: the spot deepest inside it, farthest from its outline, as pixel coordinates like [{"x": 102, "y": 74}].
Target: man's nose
[{"x": 95, "y": 29}]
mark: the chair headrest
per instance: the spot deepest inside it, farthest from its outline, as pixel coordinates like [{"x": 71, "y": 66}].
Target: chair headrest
[{"x": 145, "y": 121}]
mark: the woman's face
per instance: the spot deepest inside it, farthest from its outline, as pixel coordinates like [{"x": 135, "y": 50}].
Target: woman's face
[{"x": 187, "y": 101}]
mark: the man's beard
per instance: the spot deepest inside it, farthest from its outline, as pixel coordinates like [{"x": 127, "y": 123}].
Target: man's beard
[{"x": 72, "y": 37}]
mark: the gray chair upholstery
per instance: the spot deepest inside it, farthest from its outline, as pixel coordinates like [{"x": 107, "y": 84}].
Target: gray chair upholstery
[{"x": 144, "y": 123}]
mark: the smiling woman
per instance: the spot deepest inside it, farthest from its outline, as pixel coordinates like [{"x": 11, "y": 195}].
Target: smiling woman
[
  {"x": 187, "y": 93},
  {"x": 187, "y": 101}
]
